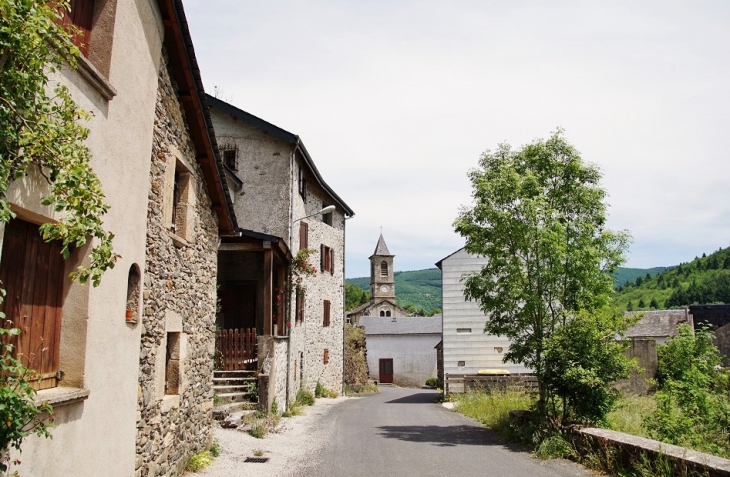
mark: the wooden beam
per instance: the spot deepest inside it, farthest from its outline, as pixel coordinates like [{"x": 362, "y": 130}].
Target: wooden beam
[
  {"x": 283, "y": 316},
  {"x": 240, "y": 247},
  {"x": 268, "y": 290}
]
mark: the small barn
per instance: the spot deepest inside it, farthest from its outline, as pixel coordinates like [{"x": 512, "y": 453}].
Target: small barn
[{"x": 401, "y": 350}]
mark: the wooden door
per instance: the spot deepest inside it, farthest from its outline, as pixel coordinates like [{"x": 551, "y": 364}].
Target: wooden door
[
  {"x": 386, "y": 371},
  {"x": 32, "y": 273}
]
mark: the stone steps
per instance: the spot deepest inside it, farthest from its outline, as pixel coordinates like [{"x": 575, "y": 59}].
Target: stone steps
[{"x": 234, "y": 386}]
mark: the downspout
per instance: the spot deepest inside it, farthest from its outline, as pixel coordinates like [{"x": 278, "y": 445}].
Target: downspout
[{"x": 292, "y": 177}]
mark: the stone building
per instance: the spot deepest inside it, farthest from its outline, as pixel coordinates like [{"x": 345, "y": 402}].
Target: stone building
[
  {"x": 382, "y": 287},
  {"x": 131, "y": 385},
  {"x": 280, "y": 196},
  {"x": 466, "y": 348}
]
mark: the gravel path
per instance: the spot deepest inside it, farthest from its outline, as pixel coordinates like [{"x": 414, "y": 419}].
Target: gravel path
[{"x": 291, "y": 450}]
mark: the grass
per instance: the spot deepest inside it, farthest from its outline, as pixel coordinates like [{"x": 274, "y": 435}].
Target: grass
[
  {"x": 258, "y": 452},
  {"x": 365, "y": 388},
  {"x": 492, "y": 410},
  {"x": 629, "y": 414},
  {"x": 304, "y": 397}
]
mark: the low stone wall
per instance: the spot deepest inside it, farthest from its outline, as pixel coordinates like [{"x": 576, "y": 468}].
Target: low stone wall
[
  {"x": 460, "y": 383},
  {"x": 626, "y": 449}
]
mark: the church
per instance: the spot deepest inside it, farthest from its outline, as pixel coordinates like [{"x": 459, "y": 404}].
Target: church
[{"x": 382, "y": 287}]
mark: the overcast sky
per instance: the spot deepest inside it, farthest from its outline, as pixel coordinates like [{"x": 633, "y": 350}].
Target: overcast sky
[{"x": 396, "y": 101}]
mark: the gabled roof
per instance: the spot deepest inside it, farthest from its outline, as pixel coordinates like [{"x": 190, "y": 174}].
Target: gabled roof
[
  {"x": 284, "y": 136},
  {"x": 184, "y": 65},
  {"x": 381, "y": 250},
  {"x": 440, "y": 262},
  {"x": 421, "y": 325},
  {"x": 657, "y": 324}
]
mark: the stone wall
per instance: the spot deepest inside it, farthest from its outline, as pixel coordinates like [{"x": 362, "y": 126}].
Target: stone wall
[
  {"x": 177, "y": 343},
  {"x": 281, "y": 354},
  {"x": 644, "y": 350}
]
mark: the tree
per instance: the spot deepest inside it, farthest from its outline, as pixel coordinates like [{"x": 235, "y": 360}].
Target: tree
[
  {"x": 39, "y": 126},
  {"x": 355, "y": 296},
  {"x": 629, "y": 306},
  {"x": 539, "y": 216},
  {"x": 654, "y": 304},
  {"x": 641, "y": 303}
]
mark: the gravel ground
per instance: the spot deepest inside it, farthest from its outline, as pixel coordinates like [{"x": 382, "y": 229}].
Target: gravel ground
[{"x": 291, "y": 450}]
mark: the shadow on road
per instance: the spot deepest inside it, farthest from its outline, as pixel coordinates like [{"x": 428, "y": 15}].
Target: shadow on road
[
  {"x": 417, "y": 398},
  {"x": 447, "y": 436}
]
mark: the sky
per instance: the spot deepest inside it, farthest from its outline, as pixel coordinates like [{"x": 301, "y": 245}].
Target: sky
[{"x": 396, "y": 101}]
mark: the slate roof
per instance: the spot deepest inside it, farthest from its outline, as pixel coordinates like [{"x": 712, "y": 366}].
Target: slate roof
[
  {"x": 417, "y": 325},
  {"x": 657, "y": 324},
  {"x": 381, "y": 248}
]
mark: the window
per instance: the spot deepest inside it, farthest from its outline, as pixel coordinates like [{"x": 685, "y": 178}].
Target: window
[
  {"x": 94, "y": 20},
  {"x": 463, "y": 330},
  {"x": 303, "y": 235},
  {"x": 32, "y": 273},
  {"x": 461, "y": 363},
  {"x": 179, "y": 201},
  {"x": 387, "y": 313},
  {"x": 326, "y": 320},
  {"x": 133, "y": 286},
  {"x": 382, "y": 312},
  {"x": 230, "y": 158},
  {"x": 172, "y": 364},
  {"x": 302, "y": 184},
  {"x": 326, "y": 259},
  {"x": 327, "y": 218},
  {"x": 383, "y": 268},
  {"x": 299, "y": 318},
  {"x": 326, "y": 358}
]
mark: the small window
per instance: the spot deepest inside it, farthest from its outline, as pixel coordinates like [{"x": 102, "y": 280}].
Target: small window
[
  {"x": 382, "y": 312},
  {"x": 230, "y": 159},
  {"x": 303, "y": 235},
  {"x": 327, "y": 259},
  {"x": 463, "y": 330},
  {"x": 327, "y": 306},
  {"x": 383, "y": 268},
  {"x": 172, "y": 364},
  {"x": 302, "y": 184},
  {"x": 133, "y": 286},
  {"x": 327, "y": 218},
  {"x": 179, "y": 201},
  {"x": 461, "y": 363},
  {"x": 299, "y": 308},
  {"x": 387, "y": 313},
  {"x": 326, "y": 358}
]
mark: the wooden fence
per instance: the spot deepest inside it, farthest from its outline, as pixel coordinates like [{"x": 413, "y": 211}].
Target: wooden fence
[
  {"x": 235, "y": 349},
  {"x": 461, "y": 383}
]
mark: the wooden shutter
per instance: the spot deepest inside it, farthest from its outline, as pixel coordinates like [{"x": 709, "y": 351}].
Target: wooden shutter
[
  {"x": 81, "y": 16},
  {"x": 332, "y": 261},
  {"x": 300, "y": 308},
  {"x": 326, "y": 320},
  {"x": 321, "y": 257},
  {"x": 32, "y": 271},
  {"x": 326, "y": 358},
  {"x": 303, "y": 235}
]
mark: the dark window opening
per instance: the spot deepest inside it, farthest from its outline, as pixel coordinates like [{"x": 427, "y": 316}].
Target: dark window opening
[
  {"x": 383, "y": 269},
  {"x": 230, "y": 159},
  {"x": 326, "y": 320},
  {"x": 327, "y": 218},
  {"x": 387, "y": 313},
  {"x": 327, "y": 259},
  {"x": 299, "y": 308},
  {"x": 172, "y": 364},
  {"x": 302, "y": 184},
  {"x": 133, "y": 288},
  {"x": 81, "y": 16},
  {"x": 303, "y": 235},
  {"x": 326, "y": 358}
]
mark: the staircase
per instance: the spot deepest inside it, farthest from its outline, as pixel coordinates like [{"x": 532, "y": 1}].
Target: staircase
[{"x": 234, "y": 386}]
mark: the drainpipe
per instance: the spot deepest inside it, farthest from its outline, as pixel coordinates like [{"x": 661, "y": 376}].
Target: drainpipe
[{"x": 292, "y": 191}]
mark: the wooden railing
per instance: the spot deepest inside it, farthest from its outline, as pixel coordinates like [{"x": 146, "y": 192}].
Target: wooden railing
[
  {"x": 235, "y": 349},
  {"x": 460, "y": 383}
]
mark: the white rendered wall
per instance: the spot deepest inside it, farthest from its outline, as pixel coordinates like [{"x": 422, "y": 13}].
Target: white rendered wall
[{"x": 414, "y": 357}]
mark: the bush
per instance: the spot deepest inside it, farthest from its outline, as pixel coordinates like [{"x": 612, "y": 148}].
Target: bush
[
  {"x": 199, "y": 461},
  {"x": 305, "y": 398},
  {"x": 555, "y": 447},
  {"x": 259, "y": 429},
  {"x": 215, "y": 449},
  {"x": 356, "y": 367},
  {"x": 318, "y": 390},
  {"x": 493, "y": 409},
  {"x": 431, "y": 382}
]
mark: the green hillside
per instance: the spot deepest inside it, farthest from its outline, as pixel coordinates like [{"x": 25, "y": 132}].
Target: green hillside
[
  {"x": 418, "y": 290},
  {"x": 704, "y": 280},
  {"x": 623, "y": 275}
]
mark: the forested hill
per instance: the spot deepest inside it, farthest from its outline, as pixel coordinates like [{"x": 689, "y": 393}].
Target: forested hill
[
  {"x": 418, "y": 290},
  {"x": 704, "y": 280}
]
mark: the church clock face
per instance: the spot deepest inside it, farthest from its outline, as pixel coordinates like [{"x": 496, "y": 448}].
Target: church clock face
[{"x": 384, "y": 289}]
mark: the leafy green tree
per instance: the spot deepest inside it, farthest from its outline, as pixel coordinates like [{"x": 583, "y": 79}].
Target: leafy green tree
[
  {"x": 539, "y": 217},
  {"x": 641, "y": 303},
  {"x": 654, "y": 304},
  {"x": 629, "y": 306},
  {"x": 39, "y": 126},
  {"x": 355, "y": 296}
]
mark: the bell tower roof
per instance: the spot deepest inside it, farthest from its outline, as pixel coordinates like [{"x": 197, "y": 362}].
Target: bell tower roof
[{"x": 381, "y": 250}]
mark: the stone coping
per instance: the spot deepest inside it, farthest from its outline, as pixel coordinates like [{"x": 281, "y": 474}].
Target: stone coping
[
  {"x": 60, "y": 396},
  {"x": 716, "y": 465}
]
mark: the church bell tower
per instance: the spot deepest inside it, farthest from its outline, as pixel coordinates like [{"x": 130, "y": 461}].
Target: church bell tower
[{"x": 382, "y": 281}]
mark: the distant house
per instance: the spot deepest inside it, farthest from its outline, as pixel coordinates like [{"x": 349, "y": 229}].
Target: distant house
[
  {"x": 279, "y": 195},
  {"x": 466, "y": 348},
  {"x": 401, "y": 350},
  {"x": 659, "y": 325}
]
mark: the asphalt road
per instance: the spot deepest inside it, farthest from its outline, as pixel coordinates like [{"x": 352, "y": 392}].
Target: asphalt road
[{"x": 404, "y": 432}]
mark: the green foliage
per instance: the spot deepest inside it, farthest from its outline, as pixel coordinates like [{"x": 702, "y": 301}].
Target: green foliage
[
  {"x": 431, "y": 381},
  {"x": 355, "y": 296},
  {"x": 318, "y": 390},
  {"x": 492, "y": 409},
  {"x": 259, "y": 429},
  {"x": 301, "y": 268},
  {"x": 215, "y": 449},
  {"x": 19, "y": 415},
  {"x": 693, "y": 408},
  {"x": 630, "y": 413},
  {"x": 305, "y": 398},
  {"x": 539, "y": 217},
  {"x": 582, "y": 360},
  {"x": 199, "y": 461},
  {"x": 555, "y": 447},
  {"x": 41, "y": 130},
  {"x": 274, "y": 407}
]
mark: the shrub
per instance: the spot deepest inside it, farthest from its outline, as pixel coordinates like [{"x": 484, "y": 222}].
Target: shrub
[
  {"x": 431, "y": 382},
  {"x": 274, "y": 407},
  {"x": 554, "y": 447},
  {"x": 259, "y": 429},
  {"x": 305, "y": 398},
  {"x": 215, "y": 449},
  {"x": 199, "y": 461},
  {"x": 356, "y": 366},
  {"x": 318, "y": 390}
]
